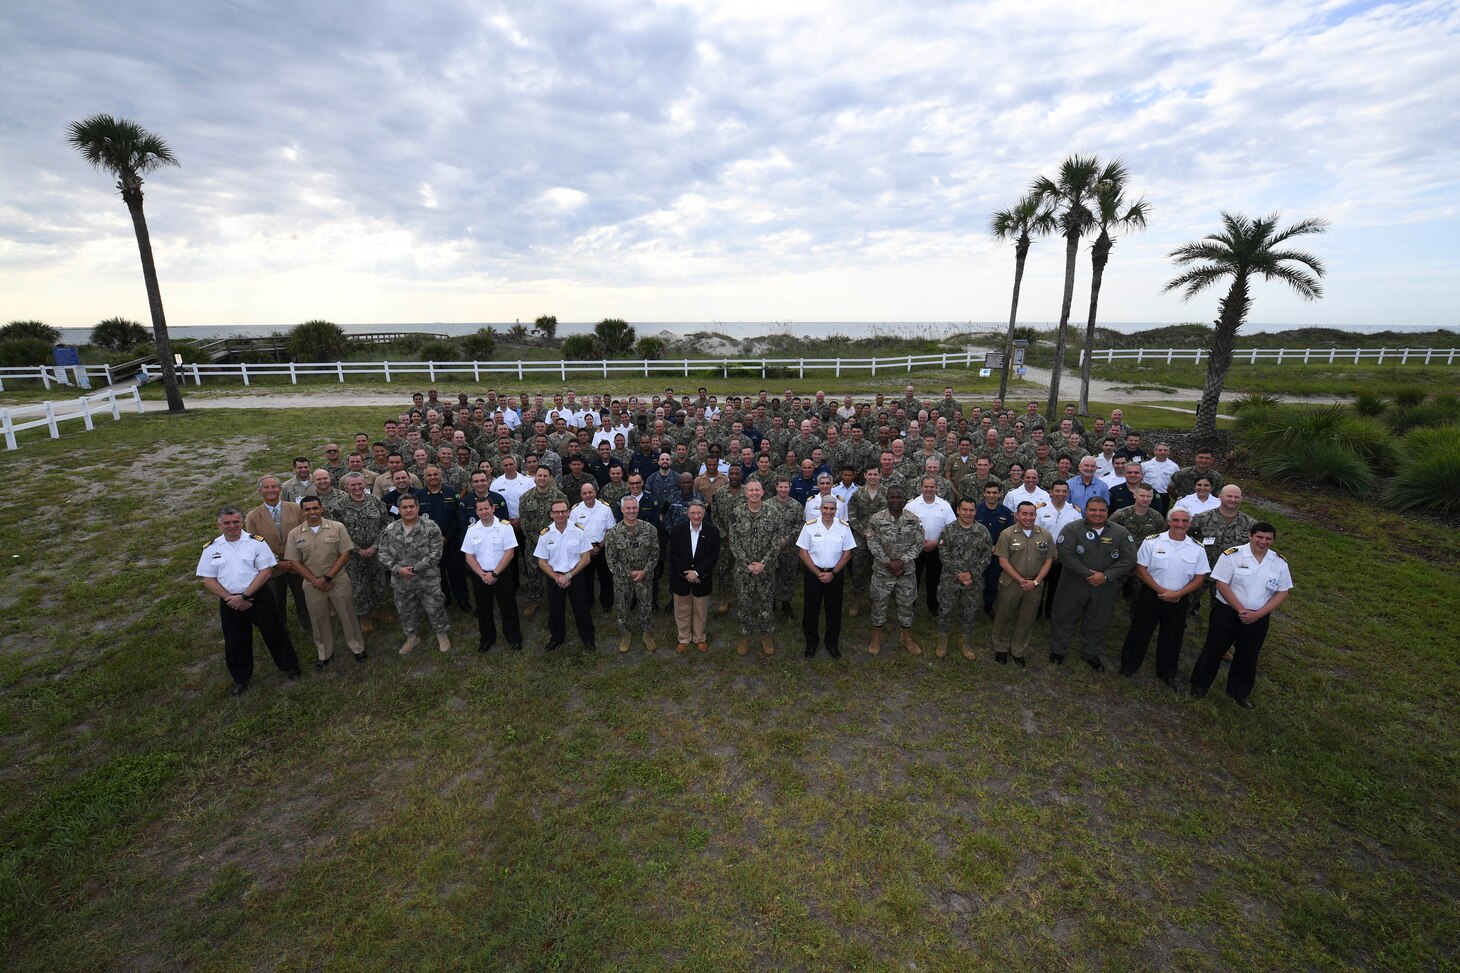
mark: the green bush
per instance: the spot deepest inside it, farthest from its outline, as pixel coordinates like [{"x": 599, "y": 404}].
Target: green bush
[
  {"x": 1315, "y": 444},
  {"x": 1369, "y": 404},
  {"x": 434, "y": 349},
  {"x": 407, "y": 345},
  {"x": 651, "y": 349},
  {"x": 1439, "y": 411},
  {"x": 187, "y": 350},
  {"x": 481, "y": 345},
  {"x": 615, "y": 336},
  {"x": 547, "y": 326},
  {"x": 318, "y": 341},
  {"x": 1256, "y": 410},
  {"x": 38, "y": 330},
  {"x": 22, "y": 352},
  {"x": 1428, "y": 478},
  {"x": 1323, "y": 462},
  {"x": 118, "y": 334},
  {"x": 1409, "y": 397},
  {"x": 581, "y": 347},
  {"x": 519, "y": 333}
]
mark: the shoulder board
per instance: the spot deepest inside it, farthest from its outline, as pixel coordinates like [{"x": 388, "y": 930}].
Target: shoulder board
[
  {"x": 256, "y": 537},
  {"x": 1279, "y": 556},
  {"x": 1230, "y": 550},
  {"x": 578, "y": 525},
  {"x": 846, "y": 523},
  {"x": 543, "y": 531},
  {"x": 812, "y": 521},
  {"x": 1041, "y": 503}
]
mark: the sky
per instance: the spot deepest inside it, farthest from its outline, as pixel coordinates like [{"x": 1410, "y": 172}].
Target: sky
[{"x": 698, "y": 161}]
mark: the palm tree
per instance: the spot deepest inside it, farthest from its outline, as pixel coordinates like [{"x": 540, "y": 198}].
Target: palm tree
[
  {"x": 1111, "y": 214},
  {"x": 1244, "y": 248},
  {"x": 128, "y": 151},
  {"x": 1028, "y": 218},
  {"x": 1072, "y": 194}
]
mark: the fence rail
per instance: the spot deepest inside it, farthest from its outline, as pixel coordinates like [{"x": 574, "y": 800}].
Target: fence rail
[
  {"x": 1285, "y": 356},
  {"x": 50, "y": 414}
]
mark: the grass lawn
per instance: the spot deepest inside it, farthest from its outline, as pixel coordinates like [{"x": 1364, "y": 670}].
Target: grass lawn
[
  {"x": 1324, "y": 379},
  {"x": 706, "y": 812}
]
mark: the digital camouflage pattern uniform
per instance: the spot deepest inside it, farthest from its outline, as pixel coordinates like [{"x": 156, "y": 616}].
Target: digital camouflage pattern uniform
[
  {"x": 860, "y": 510},
  {"x": 611, "y": 494},
  {"x": 632, "y": 548},
  {"x": 534, "y": 512},
  {"x": 756, "y": 536},
  {"x": 793, "y": 516},
  {"x": 1223, "y": 534},
  {"x": 894, "y": 539},
  {"x": 1141, "y": 526},
  {"x": 419, "y": 595},
  {"x": 721, "y": 507},
  {"x": 962, "y": 549},
  {"x": 369, "y": 579},
  {"x": 1183, "y": 483}
]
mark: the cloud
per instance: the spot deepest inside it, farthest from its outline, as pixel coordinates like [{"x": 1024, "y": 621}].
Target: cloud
[{"x": 709, "y": 159}]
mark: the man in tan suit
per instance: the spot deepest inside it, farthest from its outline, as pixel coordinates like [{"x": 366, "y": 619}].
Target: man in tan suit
[
  {"x": 273, "y": 520},
  {"x": 320, "y": 549}
]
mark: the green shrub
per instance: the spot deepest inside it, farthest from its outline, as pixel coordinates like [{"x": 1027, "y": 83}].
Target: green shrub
[
  {"x": 21, "y": 352},
  {"x": 318, "y": 341},
  {"x": 581, "y": 347},
  {"x": 118, "y": 334},
  {"x": 407, "y": 345},
  {"x": 38, "y": 330},
  {"x": 187, "y": 350},
  {"x": 651, "y": 349},
  {"x": 481, "y": 345},
  {"x": 1256, "y": 410},
  {"x": 434, "y": 349},
  {"x": 1409, "y": 397},
  {"x": 547, "y": 326},
  {"x": 1439, "y": 411},
  {"x": 615, "y": 336},
  {"x": 519, "y": 333},
  {"x": 1322, "y": 462},
  {"x": 1369, "y": 404},
  {"x": 1428, "y": 478},
  {"x": 1315, "y": 444}
]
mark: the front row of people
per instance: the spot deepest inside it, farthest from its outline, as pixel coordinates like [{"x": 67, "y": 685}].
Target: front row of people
[{"x": 1095, "y": 556}]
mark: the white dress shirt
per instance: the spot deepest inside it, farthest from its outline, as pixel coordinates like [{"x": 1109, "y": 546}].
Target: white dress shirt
[
  {"x": 1054, "y": 519},
  {"x": 595, "y": 520},
  {"x": 235, "y": 564},
  {"x": 1172, "y": 563},
  {"x": 1251, "y": 580},
  {"x": 561, "y": 548},
  {"x": 1158, "y": 473},
  {"x": 488, "y": 544},
  {"x": 935, "y": 516},
  {"x": 1019, "y": 495},
  {"x": 826, "y": 544},
  {"x": 813, "y": 506},
  {"x": 512, "y": 490}
]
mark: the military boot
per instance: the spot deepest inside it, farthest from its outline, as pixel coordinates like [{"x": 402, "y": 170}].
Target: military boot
[
  {"x": 856, "y": 608},
  {"x": 942, "y": 648},
  {"x": 907, "y": 643},
  {"x": 411, "y": 642},
  {"x": 766, "y": 646},
  {"x": 443, "y": 641},
  {"x": 967, "y": 649},
  {"x": 743, "y": 646},
  {"x": 366, "y": 624},
  {"x": 875, "y": 646},
  {"x": 649, "y": 642},
  {"x": 623, "y": 642},
  {"x": 527, "y": 611}
]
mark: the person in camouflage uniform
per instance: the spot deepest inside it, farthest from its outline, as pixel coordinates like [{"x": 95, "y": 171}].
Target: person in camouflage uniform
[
  {"x": 794, "y": 516},
  {"x": 894, "y": 539},
  {"x": 614, "y": 490},
  {"x": 1218, "y": 529},
  {"x": 966, "y": 549},
  {"x": 364, "y": 517},
  {"x": 727, "y": 498},
  {"x": 534, "y": 512},
  {"x": 632, "y": 550},
  {"x": 867, "y": 501},
  {"x": 410, "y": 549},
  {"x": 756, "y": 533}
]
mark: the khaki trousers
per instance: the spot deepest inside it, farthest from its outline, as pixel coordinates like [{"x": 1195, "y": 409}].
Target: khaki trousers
[
  {"x": 340, "y": 597},
  {"x": 1014, "y": 616},
  {"x": 689, "y": 617}
]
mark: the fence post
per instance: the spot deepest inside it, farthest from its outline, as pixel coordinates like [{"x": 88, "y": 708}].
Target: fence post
[
  {"x": 1428, "y": 352},
  {"x": 137, "y": 398},
  {"x": 724, "y": 368},
  {"x": 1381, "y": 355},
  {"x": 519, "y": 369},
  {"x": 244, "y": 368},
  {"x": 874, "y": 367},
  {"x": 111, "y": 398},
  {"x": 1356, "y": 355},
  {"x": 9, "y": 428},
  {"x": 686, "y": 368},
  {"x": 431, "y": 370},
  {"x": 762, "y": 369},
  {"x": 605, "y": 368},
  {"x": 1280, "y": 356},
  {"x": 46, "y": 377},
  {"x": 969, "y": 362},
  {"x": 838, "y": 367},
  {"x": 387, "y": 371},
  {"x": 340, "y": 370},
  {"x": 108, "y": 367},
  {"x": 476, "y": 371},
  {"x": 197, "y": 377},
  {"x": 1169, "y": 353},
  {"x": 801, "y": 367},
  {"x": 1254, "y": 356},
  {"x": 51, "y": 420},
  {"x": 293, "y": 375},
  {"x": 1404, "y": 358},
  {"x": 1305, "y": 355},
  {"x": 1140, "y": 355},
  {"x": 1448, "y": 361},
  {"x": 86, "y": 413}
]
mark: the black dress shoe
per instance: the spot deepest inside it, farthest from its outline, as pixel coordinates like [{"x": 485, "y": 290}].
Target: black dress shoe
[
  {"x": 551, "y": 645},
  {"x": 1197, "y": 692},
  {"x": 360, "y": 656},
  {"x": 833, "y": 652},
  {"x": 988, "y": 610},
  {"x": 1002, "y": 658},
  {"x": 1095, "y": 664},
  {"x": 293, "y": 674},
  {"x": 465, "y": 607},
  {"x": 485, "y": 646},
  {"x": 1172, "y": 682},
  {"x": 515, "y": 646},
  {"x": 1127, "y": 672},
  {"x": 1244, "y": 702},
  {"x": 811, "y": 652},
  {"x": 238, "y": 688},
  {"x": 1056, "y": 659},
  {"x": 590, "y": 648},
  {"x": 1019, "y": 661},
  {"x": 320, "y": 663}
]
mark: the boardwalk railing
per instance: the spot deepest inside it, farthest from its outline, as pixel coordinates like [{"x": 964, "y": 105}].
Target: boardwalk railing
[{"x": 50, "y": 414}]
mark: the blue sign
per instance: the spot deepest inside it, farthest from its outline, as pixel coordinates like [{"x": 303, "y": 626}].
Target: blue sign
[{"x": 67, "y": 356}]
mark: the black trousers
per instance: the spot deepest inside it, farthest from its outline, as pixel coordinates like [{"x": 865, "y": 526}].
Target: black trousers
[
  {"x": 597, "y": 571},
  {"x": 238, "y": 629},
  {"x": 816, "y": 596},
  {"x": 281, "y": 588},
  {"x": 929, "y": 569},
  {"x": 453, "y": 572},
  {"x": 1051, "y": 585},
  {"x": 991, "y": 582},
  {"x": 504, "y": 594},
  {"x": 1151, "y": 612},
  {"x": 577, "y": 595},
  {"x": 1225, "y": 630}
]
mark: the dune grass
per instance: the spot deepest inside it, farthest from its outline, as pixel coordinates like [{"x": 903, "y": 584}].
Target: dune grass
[{"x": 705, "y": 812}]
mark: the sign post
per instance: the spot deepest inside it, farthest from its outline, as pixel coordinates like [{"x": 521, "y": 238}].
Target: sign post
[{"x": 68, "y": 357}]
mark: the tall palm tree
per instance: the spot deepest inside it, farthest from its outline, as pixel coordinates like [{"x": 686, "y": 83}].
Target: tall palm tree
[
  {"x": 128, "y": 151},
  {"x": 1244, "y": 248},
  {"x": 1072, "y": 193},
  {"x": 1113, "y": 216},
  {"x": 1028, "y": 218}
]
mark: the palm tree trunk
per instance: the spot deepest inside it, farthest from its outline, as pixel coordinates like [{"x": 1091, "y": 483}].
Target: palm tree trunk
[
  {"x": 1072, "y": 251},
  {"x": 1021, "y": 251},
  {"x": 1098, "y": 259},
  {"x": 154, "y": 301},
  {"x": 1224, "y": 341}
]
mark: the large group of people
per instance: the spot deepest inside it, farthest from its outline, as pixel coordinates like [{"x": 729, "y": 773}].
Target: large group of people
[{"x": 501, "y": 506}]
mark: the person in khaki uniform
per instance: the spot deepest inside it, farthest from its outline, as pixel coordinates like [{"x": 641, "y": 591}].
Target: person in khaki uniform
[
  {"x": 1025, "y": 552},
  {"x": 320, "y": 548}
]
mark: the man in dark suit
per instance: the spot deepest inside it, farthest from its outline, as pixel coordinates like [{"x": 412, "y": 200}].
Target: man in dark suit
[
  {"x": 694, "y": 546},
  {"x": 273, "y": 520}
]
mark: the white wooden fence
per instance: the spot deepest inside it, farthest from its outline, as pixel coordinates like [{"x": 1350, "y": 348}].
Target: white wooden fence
[
  {"x": 1288, "y": 356},
  {"x": 50, "y": 414}
]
